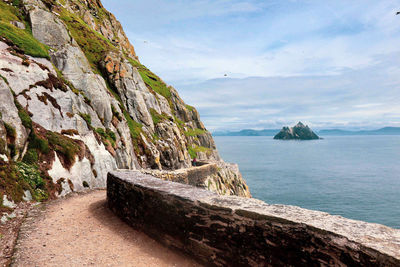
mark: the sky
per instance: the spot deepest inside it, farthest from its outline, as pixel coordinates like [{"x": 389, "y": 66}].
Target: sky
[{"x": 329, "y": 64}]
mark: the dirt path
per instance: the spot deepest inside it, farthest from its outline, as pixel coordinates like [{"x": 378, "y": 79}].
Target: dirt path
[{"x": 81, "y": 231}]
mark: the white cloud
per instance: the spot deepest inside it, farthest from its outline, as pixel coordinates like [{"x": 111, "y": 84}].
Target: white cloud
[{"x": 329, "y": 63}]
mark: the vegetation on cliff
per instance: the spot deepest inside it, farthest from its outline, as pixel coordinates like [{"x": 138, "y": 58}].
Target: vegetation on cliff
[{"x": 22, "y": 38}]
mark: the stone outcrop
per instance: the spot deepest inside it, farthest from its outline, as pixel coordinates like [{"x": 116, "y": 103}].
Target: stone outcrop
[
  {"x": 297, "y": 132},
  {"x": 219, "y": 177},
  {"x": 235, "y": 231},
  {"x": 77, "y": 103}
]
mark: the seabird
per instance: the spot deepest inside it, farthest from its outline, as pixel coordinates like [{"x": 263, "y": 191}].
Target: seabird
[{"x": 398, "y": 12}]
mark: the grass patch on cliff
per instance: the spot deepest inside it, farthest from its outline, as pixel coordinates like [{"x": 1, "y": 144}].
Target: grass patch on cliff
[
  {"x": 20, "y": 37},
  {"x": 190, "y": 108},
  {"x": 193, "y": 150},
  {"x": 92, "y": 43},
  {"x": 64, "y": 146},
  {"x": 157, "y": 117},
  {"x": 134, "y": 127},
  {"x": 31, "y": 175},
  {"x": 19, "y": 177},
  {"x": 107, "y": 135},
  {"x": 152, "y": 80},
  {"x": 87, "y": 118},
  {"x": 195, "y": 132}
]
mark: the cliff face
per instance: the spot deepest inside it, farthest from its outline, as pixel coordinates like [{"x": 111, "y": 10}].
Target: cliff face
[
  {"x": 76, "y": 103},
  {"x": 297, "y": 132}
]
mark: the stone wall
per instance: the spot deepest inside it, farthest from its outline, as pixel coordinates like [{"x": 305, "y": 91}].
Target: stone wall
[
  {"x": 195, "y": 176},
  {"x": 235, "y": 231}
]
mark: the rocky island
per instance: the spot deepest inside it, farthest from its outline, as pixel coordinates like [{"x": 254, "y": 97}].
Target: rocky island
[{"x": 297, "y": 132}]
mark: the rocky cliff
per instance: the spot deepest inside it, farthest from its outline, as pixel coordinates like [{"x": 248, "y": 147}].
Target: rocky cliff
[
  {"x": 76, "y": 103},
  {"x": 297, "y": 132}
]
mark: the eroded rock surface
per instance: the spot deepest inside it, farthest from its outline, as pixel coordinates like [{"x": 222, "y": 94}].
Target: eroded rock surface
[{"x": 77, "y": 103}]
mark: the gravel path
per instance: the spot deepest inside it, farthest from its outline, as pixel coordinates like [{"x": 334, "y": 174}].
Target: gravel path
[{"x": 81, "y": 231}]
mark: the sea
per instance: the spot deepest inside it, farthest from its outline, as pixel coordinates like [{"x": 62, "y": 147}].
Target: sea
[{"x": 357, "y": 177}]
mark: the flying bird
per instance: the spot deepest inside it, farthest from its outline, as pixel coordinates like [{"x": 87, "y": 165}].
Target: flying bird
[
  {"x": 225, "y": 75},
  {"x": 398, "y": 12}
]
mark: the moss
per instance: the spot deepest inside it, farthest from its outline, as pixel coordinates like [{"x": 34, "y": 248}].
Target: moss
[
  {"x": 157, "y": 118},
  {"x": 31, "y": 156},
  {"x": 11, "y": 184},
  {"x": 94, "y": 45},
  {"x": 116, "y": 113},
  {"x": 195, "y": 132},
  {"x": 64, "y": 146},
  {"x": 87, "y": 118},
  {"x": 31, "y": 175},
  {"x": 151, "y": 80},
  {"x": 107, "y": 135},
  {"x": 23, "y": 115},
  {"x": 135, "y": 128},
  {"x": 37, "y": 143},
  {"x": 25, "y": 118},
  {"x": 21, "y": 38}
]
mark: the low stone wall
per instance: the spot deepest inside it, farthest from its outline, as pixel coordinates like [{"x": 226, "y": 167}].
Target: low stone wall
[
  {"x": 195, "y": 176},
  {"x": 235, "y": 231}
]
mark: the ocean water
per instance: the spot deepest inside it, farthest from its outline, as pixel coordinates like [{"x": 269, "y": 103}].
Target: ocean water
[{"x": 357, "y": 177}]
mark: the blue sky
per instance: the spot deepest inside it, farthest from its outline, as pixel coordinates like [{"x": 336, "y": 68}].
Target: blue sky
[{"x": 330, "y": 64}]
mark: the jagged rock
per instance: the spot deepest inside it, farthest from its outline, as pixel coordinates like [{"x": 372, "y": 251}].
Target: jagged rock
[
  {"x": 47, "y": 28},
  {"x": 119, "y": 113},
  {"x": 9, "y": 115},
  {"x": 299, "y": 132}
]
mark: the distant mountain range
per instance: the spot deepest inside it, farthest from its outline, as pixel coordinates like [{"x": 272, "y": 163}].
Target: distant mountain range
[{"x": 328, "y": 132}]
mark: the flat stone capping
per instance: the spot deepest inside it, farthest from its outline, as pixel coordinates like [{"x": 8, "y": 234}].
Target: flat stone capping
[
  {"x": 235, "y": 231},
  {"x": 195, "y": 175}
]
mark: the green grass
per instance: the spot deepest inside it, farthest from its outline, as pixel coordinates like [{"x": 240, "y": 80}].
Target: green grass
[
  {"x": 195, "y": 132},
  {"x": 116, "y": 113},
  {"x": 179, "y": 122},
  {"x": 21, "y": 38},
  {"x": 157, "y": 118},
  {"x": 134, "y": 127},
  {"x": 190, "y": 108},
  {"x": 23, "y": 115},
  {"x": 152, "y": 80},
  {"x": 107, "y": 135},
  {"x": 31, "y": 156},
  {"x": 193, "y": 150},
  {"x": 93, "y": 44},
  {"x": 87, "y": 118},
  {"x": 39, "y": 144}
]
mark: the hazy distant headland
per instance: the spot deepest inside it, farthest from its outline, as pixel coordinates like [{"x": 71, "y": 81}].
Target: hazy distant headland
[{"x": 324, "y": 132}]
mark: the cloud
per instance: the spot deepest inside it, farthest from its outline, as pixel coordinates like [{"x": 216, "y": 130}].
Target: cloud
[
  {"x": 342, "y": 100},
  {"x": 329, "y": 63}
]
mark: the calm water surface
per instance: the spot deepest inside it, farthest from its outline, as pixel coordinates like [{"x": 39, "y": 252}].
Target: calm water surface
[{"x": 357, "y": 177}]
